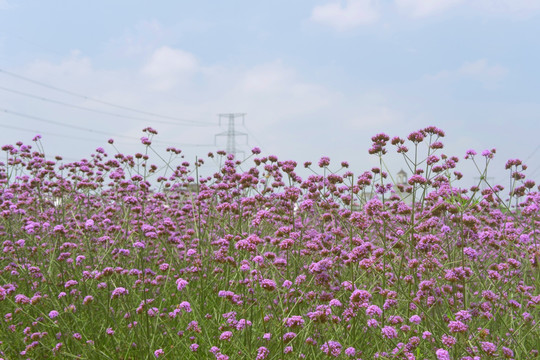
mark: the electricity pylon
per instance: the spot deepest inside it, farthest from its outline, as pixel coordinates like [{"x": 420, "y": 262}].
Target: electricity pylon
[{"x": 231, "y": 133}]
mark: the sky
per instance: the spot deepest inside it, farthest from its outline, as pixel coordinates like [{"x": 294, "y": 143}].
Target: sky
[{"x": 314, "y": 78}]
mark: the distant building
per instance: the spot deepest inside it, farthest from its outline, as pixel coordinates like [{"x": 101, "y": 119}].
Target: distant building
[{"x": 400, "y": 187}]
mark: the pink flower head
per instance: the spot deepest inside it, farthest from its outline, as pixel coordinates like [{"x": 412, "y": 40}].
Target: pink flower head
[
  {"x": 389, "y": 332},
  {"x": 267, "y": 284},
  {"x": 373, "y": 310},
  {"x": 159, "y": 352},
  {"x": 139, "y": 244},
  {"x": 186, "y": 306},
  {"x": 288, "y": 336},
  {"x": 226, "y": 336},
  {"x": 22, "y": 299},
  {"x": 262, "y": 353},
  {"x": 324, "y": 161},
  {"x": 118, "y": 292},
  {"x": 489, "y": 348},
  {"x": 294, "y": 321},
  {"x": 89, "y": 223},
  {"x": 70, "y": 283},
  {"x": 457, "y": 327},
  {"x": 53, "y": 314},
  {"x": 332, "y": 348},
  {"x": 442, "y": 354},
  {"x": 181, "y": 284},
  {"x": 360, "y": 296}
]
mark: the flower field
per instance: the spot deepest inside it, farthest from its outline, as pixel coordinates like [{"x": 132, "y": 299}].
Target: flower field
[{"x": 117, "y": 258}]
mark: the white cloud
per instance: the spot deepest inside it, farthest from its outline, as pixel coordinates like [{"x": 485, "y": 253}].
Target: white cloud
[
  {"x": 480, "y": 70},
  {"x": 273, "y": 94},
  {"x": 167, "y": 67},
  {"x": 375, "y": 117},
  {"x": 74, "y": 67},
  {"x": 4, "y": 5},
  {"x": 138, "y": 40},
  {"x": 508, "y": 7},
  {"x": 343, "y": 16},
  {"x": 266, "y": 77},
  {"x": 424, "y": 8}
]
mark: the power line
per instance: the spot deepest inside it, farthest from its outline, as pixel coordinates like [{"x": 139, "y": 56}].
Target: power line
[
  {"x": 62, "y": 124},
  {"x": 253, "y": 135},
  {"x": 81, "y": 128},
  {"x": 99, "y": 101},
  {"x": 47, "y": 133},
  {"x": 532, "y": 154},
  {"x": 90, "y": 109}
]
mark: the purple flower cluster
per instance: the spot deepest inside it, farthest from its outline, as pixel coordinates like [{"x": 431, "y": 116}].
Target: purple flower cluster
[{"x": 116, "y": 250}]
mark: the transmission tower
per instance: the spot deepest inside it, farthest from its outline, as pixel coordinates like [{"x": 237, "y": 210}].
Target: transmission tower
[{"x": 231, "y": 133}]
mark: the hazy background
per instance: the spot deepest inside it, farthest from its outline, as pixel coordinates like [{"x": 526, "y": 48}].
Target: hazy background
[{"x": 314, "y": 77}]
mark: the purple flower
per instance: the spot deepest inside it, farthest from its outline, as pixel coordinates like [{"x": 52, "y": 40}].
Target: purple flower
[
  {"x": 360, "y": 296},
  {"x": 463, "y": 315},
  {"x": 262, "y": 353},
  {"x": 118, "y": 292},
  {"x": 294, "y": 321},
  {"x": 332, "y": 348},
  {"x": 489, "y": 348},
  {"x": 448, "y": 340},
  {"x": 389, "y": 332},
  {"x": 457, "y": 327},
  {"x": 53, "y": 314},
  {"x": 373, "y": 310},
  {"x": 70, "y": 283},
  {"x": 288, "y": 336},
  {"x": 268, "y": 285},
  {"x": 159, "y": 352},
  {"x": 184, "y": 305},
  {"x": 442, "y": 354},
  {"x": 226, "y": 336},
  {"x": 22, "y": 299},
  {"x": 139, "y": 244},
  {"x": 324, "y": 161},
  {"x": 181, "y": 284},
  {"x": 89, "y": 223}
]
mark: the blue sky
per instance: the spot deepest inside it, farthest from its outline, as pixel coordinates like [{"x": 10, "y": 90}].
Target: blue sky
[{"x": 314, "y": 77}]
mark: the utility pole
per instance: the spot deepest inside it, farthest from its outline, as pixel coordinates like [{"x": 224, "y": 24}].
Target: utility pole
[{"x": 231, "y": 133}]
